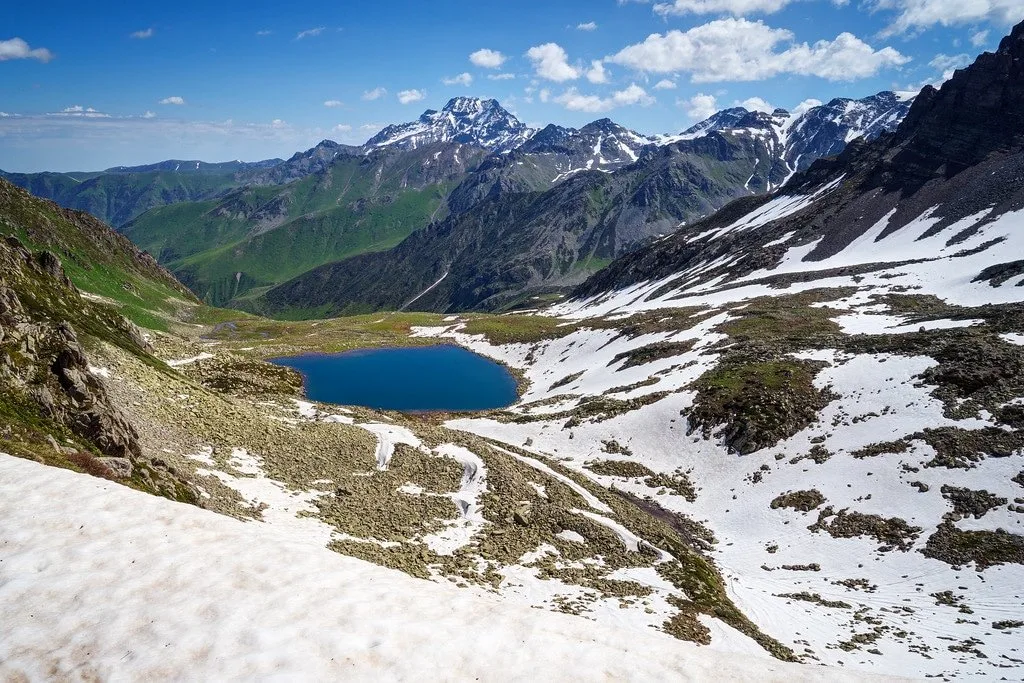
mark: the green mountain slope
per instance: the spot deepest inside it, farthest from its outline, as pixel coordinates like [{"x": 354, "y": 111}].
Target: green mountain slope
[
  {"x": 116, "y": 197},
  {"x": 96, "y": 259},
  {"x": 67, "y": 283},
  {"x": 260, "y": 236},
  {"x": 505, "y": 250}
]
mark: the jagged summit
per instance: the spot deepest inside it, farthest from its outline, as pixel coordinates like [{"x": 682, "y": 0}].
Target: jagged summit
[
  {"x": 798, "y": 139},
  {"x": 466, "y": 120},
  {"x": 601, "y": 145},
  {"x": 978, "y": 111},
  {"x": 720, "y": 120}
]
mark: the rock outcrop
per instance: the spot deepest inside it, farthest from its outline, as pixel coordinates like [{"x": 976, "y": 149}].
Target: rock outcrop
[
  {"x": 43, "y": 360},
  {"x": 55, "y": 403}
]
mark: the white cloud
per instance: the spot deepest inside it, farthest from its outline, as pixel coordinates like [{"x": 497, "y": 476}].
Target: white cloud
[
  {"x": 757, "y": 104},
  {"x": 342, "y": 128},
  {"x": 16, "y": 48},
  {"x": 174, "y": 99},
  {"x": 501, "y": 77},
  {"x": 487, "y": 59},
  {"x": 596, "y": 73},
  {"x": 464, "y": 78},
  {"x": 665, "y": 84},
  {"x": 943, "y": 62},
  {"x": 806, "y": 105},
  {"x": 947, "y": 64},
  {"x": 700, "y": 106},
  {"x": 551, "y": 61},
  {"x": 263, "y": 33},
  {"x": 333, "y": 104},
  {"x": 279, "y": 123},
  {"x": 742, "y": 50},
  {"x": 587, "y": 26},
  {"x": 914, "y": 15},
  {"x": 410, "y": 96},
  {"x": 143, "y": 34},
  {"x": 149, "y": 115},
  {"x": 573, "y": 100},
  {"x": 737, "y": 8},
  {"x": 310, "y": 33},
  {"x": 375, "y": 94},
  {"x": 79, "y": 111},
  {"x": 371, "y": 127},
  {"x": 979, "y": 38}
]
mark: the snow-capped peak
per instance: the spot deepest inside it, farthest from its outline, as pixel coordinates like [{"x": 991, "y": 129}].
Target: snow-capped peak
[
  {"x": 467, "y": 120},
  {"x": 797, "y": 140},
  {"x": 601, "y": 145}
]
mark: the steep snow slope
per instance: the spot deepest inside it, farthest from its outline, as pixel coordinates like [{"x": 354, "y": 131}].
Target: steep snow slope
[{"x": 172, "y": 592}]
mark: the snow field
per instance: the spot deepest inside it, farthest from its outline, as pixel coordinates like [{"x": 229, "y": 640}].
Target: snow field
[{"x": 187, "y": 594}]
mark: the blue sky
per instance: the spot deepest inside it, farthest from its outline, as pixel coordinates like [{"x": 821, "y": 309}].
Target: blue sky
[{"x": 90, "y": 85}]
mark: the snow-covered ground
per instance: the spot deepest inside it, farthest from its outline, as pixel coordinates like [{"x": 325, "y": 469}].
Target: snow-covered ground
[
  {"x": 861, "y": 605},
  {"x": 100, "y": 582}
]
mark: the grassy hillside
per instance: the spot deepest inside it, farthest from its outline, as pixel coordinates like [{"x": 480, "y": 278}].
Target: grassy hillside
[
  {"x": 96, "y": 259},
  {"x": 69, "y": 286},
  {"x": 116, "y": 198},
  {"x": 260, "y": 236}
]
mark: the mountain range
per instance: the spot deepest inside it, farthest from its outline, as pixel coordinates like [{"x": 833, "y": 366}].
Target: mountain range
[
  {"x": 234, "y": 231},
  {"x": 540, "y": 219}
]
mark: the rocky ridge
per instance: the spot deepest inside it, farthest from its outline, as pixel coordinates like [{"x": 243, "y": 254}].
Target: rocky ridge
[{"x": 464, "y": 120}]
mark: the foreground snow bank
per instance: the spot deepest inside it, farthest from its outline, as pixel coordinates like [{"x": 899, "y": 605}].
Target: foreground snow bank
[{"x": 101, "y": 582}]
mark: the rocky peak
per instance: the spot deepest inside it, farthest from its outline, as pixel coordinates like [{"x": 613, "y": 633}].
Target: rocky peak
[
  {"x": 727, "y": 118},
  {"x": 472, "y": 105},
  {"x": 756, "y": 119},
  {"x": 550, "y": 134},
  {"x": 301, "y": 164},
  {"x": 601, "y": 145},
  {"x": 795, "y": 141},
  {"x": 604, "y": 125},
  {"x": 978, "y": 111},
  {"x": 464, "y": 120}
]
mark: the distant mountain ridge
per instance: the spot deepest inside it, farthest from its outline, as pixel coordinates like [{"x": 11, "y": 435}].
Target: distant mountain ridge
[
  {"x": 552, "y": 154},
  {"x": 232, "y": 231},
  {"x": 798, "y": 139},
  {"x": 196, "y": 166},
  {"x": 544, "y": 216}
]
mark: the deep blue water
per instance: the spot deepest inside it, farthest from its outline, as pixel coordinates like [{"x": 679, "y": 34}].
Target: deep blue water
[{"x": 422, "y": 378}]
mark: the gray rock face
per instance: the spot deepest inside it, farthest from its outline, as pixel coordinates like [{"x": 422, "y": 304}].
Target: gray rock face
[{"x": 43, "y": 359}]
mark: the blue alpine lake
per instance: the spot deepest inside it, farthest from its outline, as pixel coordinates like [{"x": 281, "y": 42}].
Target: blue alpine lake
[{"x": 412, "y": 379}]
